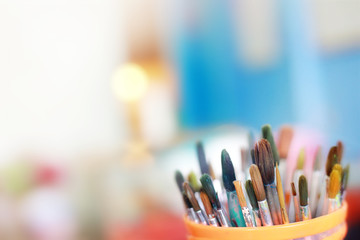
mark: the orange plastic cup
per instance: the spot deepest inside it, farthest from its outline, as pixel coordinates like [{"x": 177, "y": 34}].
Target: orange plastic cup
[{"x": 329, "y": 227}]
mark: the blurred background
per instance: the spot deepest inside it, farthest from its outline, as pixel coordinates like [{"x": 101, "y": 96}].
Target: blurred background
[{"x": 100, "y": 101}]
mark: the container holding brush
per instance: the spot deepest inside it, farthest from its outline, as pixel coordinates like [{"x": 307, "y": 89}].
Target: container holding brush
[
  {"x": 330, "y": 227},
  {"x": 266, "y": 216}
]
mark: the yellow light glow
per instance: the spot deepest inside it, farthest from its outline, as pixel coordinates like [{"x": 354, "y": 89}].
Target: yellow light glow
[{"x": 129, "y": 82}]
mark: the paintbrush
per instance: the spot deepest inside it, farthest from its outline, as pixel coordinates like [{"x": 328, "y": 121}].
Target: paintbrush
[
  {"x": 264, "y": 161},
  {"x": 331, "y": 160},
  {"x": 208, "y": 209},
  {"x": 304, "y": 202},
  {"x": 252, "y": 152},
  {"x": 296, "y": 203},
  {"x": 196, "y": 186},
  {"x": 299, "y": 167},
  {"x": 337, "y": 167},
  {"x": 213, "y": 197},
  {"x": 316, "y": 182},
  {"x": 254, "y": 204},
  {"x": 211, "y": 171},
  {"x": 189, "y": 209},
  {"x": 267, "y": 134},
  {"x": 245, "y": 210},
  {"x": 260, "y": 195},
  {"x": 179, "y": 178},
  {"x": 228, "y": 175},
  {"x": 340, "y": 150},
  {"x": 204, "y": 168},
  {"x": 246, "y": 157},
  {"x": 193, "y": 181},
  {"x": 344, "y": 181},
  {"x": 244, "y": 154},
  {"x": 334, "y": 188},
  {"x": 279, "y": 187},
  {"x": 285, "y": 138},
  {"x": 191, "y": 196}
]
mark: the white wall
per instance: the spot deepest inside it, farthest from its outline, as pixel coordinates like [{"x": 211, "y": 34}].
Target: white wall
[{"x": 56, "y": 61}]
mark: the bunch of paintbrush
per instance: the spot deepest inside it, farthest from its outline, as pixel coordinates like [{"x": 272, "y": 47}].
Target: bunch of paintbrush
[{"x": 266, "y": 203}]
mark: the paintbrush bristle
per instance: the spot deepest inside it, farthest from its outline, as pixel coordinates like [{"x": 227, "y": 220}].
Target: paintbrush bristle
[
  {"x": 179, "y": 180},
  {"x": 331, "y": 160},
  {"x": 301, "y": 159},
  {"x": 204, "y": 168},
  {"x": 228, "y": 172},
  {"x": 186, "y": 200},
  {"x": 334, "y": 184},
  {"x": 293, "y": 189},
  {"x": 303, "y": 191},
  {"x": 240, "y": 193},
  {"x": 257, "y": 183},
  {"x": 244, "y": 158},
  {"x": 252, "y": 152},
  {"x": 285, "y": 138},
  {"x": 206, "y": 202},
  {"x": 318, "y": 157},
  {"x": 345, "y": 177},
  {"x": 264, "y": 160},
  {"x": 211, "y": 171},
  {"x": 190, "y": 194},
  {"x": 340, "y": 148},
  {"x": 194, "y": 182},
  {"x": 251, "y": 193},
  {"x": 209, "y": 189},
  {"x": 267, "y": 134},
  {"x": 338, "y": 168}
]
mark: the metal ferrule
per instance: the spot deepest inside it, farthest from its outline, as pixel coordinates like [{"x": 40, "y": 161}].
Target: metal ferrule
[
  {"x": 202, "y": 218},
  {"x": 212, "y": 220},
  {"x": 192, "y": 215},
  {"x": 304, "y": 212},
  {"x": 189, "y": 215},
  {"x": 332, "y": 205},
  {"x": 223, "y": 219},
  {"x": 247, "y": 216},
  {"x": 257, "y": 218},
  {"x": 265, "y": 213}
]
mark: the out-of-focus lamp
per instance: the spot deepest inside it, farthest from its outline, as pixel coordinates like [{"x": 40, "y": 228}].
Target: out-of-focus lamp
[{"x": 130, "y": 82}]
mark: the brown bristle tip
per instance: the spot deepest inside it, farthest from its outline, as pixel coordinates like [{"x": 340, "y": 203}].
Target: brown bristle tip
[
  {"x": 257, "y": 182},
  {"x": 340, "y": 147},
  {"x": 211, "y": 171},
  {"x": 190, "y": 194},
  {"x": 206, "y": 202},
  {"x": 331, "y": 160},
  {"x": 265, "y": 161},
  {"x": 286, "y": 135},
  {"x": 239, "y": 192},
  {"x": 334, "y": 184},
  {"x": 293, "y": 189}
]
